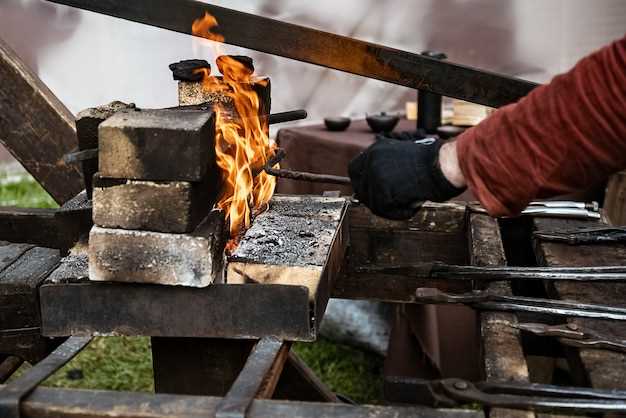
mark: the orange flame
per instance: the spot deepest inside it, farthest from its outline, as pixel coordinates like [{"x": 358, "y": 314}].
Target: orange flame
[{"x": 242, "y": 142}]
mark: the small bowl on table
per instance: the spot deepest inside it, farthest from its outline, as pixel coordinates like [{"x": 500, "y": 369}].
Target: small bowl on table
[
  {"x": 382, "y": 123},
  {"x": 337, "y": 124}
]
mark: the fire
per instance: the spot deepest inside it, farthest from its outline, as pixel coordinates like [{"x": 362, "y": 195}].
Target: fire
[{"x": 242, "y": 142}]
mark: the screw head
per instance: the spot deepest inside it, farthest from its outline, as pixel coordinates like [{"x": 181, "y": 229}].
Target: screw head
[{"x": 461, "y": 385}]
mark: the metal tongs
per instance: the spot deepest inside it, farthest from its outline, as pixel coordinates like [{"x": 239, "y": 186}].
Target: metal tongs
[
  {"x": 593, "y": 235},
  {"x": 557, "y": 209},
  {"x": 527, "y": 396},
  {"x": 575, "y": 335},
  {"x": 485, "y": 301}
]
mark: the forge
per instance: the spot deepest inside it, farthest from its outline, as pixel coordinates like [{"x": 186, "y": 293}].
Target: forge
[
  {"x": 183, "y": 240},
  {"x": 159, "y": 241}
]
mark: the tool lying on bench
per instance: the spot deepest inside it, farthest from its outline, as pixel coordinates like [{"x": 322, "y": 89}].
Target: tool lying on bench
[
  {"x": 575, "y": 336},
  {"x": 505, "y": 273},
  {"x": 581, "y": 236},
  {"x": 485, "y": 301},
  {"x": 529, "y": 396}
]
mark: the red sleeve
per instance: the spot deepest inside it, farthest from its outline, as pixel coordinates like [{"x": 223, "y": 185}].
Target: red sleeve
[{"x": 564, "y": 136}]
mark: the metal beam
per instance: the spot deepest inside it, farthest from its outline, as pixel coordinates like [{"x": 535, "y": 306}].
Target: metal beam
[{"x": 321, "y": 48}]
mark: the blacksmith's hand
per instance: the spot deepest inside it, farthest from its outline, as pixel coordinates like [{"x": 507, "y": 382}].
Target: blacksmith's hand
[{"x": 393, "y": 178}]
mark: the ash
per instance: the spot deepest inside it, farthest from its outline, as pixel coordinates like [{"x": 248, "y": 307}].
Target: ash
[
  {"x": 73, "y": 268},
  {"x": 294, "y": 231}
]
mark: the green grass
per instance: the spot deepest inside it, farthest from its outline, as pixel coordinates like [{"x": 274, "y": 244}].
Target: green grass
[{"x": 125, "y": 363}]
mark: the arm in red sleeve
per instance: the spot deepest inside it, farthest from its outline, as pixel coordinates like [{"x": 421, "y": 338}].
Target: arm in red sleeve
[{"x": 564, "y": 136}]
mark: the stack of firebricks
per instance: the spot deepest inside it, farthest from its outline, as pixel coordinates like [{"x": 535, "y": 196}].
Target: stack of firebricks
[{"x": 155, "y": 189}]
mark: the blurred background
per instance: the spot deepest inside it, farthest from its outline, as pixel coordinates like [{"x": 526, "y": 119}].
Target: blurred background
[{"x": 89, "y": 59}]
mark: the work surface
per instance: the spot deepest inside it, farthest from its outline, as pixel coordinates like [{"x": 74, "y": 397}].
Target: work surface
[{"x": 449, "y": 233}]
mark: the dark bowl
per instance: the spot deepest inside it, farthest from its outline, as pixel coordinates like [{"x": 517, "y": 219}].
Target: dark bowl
[
  {"x": 382, "y": 123},
  {"x": 337, "y": 124}
]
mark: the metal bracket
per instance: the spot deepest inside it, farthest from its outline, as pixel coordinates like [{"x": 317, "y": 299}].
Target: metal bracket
[{"x": 12, "y": 394}]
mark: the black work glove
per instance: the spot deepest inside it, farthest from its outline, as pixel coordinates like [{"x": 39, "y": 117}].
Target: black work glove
[{"x": 393, "y": 178}]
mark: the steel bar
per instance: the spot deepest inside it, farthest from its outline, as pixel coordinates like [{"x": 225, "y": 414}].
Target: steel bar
[
  {"x": 309, "y": 177},
  {"x": 321, "y": 48},
  {"x": 290, "y": 116},
  {"x": 277, "y": 157},
  {"x": 574, "y": 335},
  {"x": 67, "y": 403},
  {"x": 12, "y": 394},
  {"x": 505, "y": 273},
  {"x": 454, "y": 392},
  {"x": 536, "y": 397},
  {"x": 485, "y": 301},
  {"x": 267, "y": 358},
  {"x": 594, "y": 235}
]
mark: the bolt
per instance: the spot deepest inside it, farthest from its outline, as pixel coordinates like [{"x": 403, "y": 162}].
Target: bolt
[{"x": 461, "y": 385}]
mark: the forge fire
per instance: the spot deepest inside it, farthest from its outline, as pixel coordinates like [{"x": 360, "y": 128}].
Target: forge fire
[{"x": 242, "y": 138}]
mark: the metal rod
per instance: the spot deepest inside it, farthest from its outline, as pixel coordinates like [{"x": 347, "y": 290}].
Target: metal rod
[
  {"x": 454, "y": 272},
  {"x": 486, "y": 301},
  {"x": 310, "y": 177},
  {"x": 267, "y": 358},
  {"x": 290, "y": 116},
  {"x": 321, "y": 48},
  {"x": 12, "y": 394}
]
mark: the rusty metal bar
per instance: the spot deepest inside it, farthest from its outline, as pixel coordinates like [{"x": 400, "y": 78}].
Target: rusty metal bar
[
  {"x": 321, "y": 48},
  {"x": 257, "y": 379},
  {"x": 12, "y": 394}
]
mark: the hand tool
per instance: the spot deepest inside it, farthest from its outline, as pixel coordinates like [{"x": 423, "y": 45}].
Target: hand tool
[
  {"x": 575, "y": 335},
  {"x": 593, "y": 235},
  {"x": 504, "y": 273},
  {"x": 527, "y": 396},
  {"x": 486, "y": 301}
]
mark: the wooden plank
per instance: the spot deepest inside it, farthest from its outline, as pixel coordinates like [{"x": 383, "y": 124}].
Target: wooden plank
[
  {"x": 615, "y": 199},
  {"x": 298, "y": 241},
  {"x": 437, "y": 233},
  {"x": 503, "y": 356},
  {"x": 600, "y": 368},
  {"x": 53, "y": 228},
  {"x": 65, "y": 403},
  {"x": 24, "y": 268},
  {"x": 36, "y": 128}
]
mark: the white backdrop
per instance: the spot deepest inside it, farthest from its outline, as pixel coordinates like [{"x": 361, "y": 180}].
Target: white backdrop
[{"x": 88, "y": 59}]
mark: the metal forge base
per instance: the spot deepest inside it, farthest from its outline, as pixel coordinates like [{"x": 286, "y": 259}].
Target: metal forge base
[{"x": 219, "y": 366}]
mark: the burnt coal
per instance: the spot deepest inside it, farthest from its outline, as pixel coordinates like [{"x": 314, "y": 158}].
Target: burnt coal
[
  {"x": 186, "y": 70},
  {"x": 247, "y": 62}
]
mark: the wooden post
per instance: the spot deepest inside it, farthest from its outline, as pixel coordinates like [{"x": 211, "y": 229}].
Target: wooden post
[
  {"x": 502, "y": 347},
  {"x": 36, "y": 128},
  {"x": 615, "y": 199}
]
